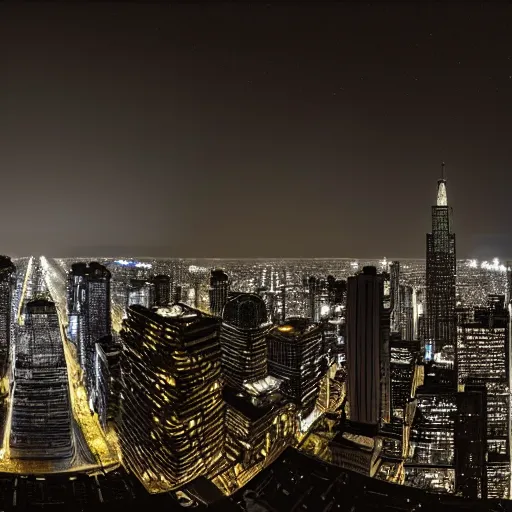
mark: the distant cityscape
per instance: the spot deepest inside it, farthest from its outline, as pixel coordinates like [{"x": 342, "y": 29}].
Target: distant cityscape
[{"x": 257, "y": 385}]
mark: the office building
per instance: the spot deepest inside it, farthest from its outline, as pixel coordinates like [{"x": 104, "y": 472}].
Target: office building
[
  {"x": 482, "y": 357},
  {"x": 433, "y": 437},
  {"x": 471, "y": 442},
  {"x": 7, "y": 284},
  {"x": 395, "y": 306},
  {"x": 243, "y": 339},
  {"x": 219, "y": 289},
  {"x": 41, "y": 423},
  {"x": 406, "y": 313},
  {"x": 171, "y": 427},
  {"x": 440, "y": 277},
  {"x": 140, "y": 292},
  {"x": 259, "y": 423},
  {"x": 367, "y": 348},
  {"x": 404, "y": 356},
  {"x": 89, "y": 300},
  {"x": 295, "y": 357},
  {"x": 162, "y": 290}
]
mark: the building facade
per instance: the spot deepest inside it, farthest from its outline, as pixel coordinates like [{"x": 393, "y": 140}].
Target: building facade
[
  {"x": 482, "y": 358},
  {"x": 219, "y": 289},
  {"x": 440, "y": 278},
  {"x": 367, "y": 348},
  {"x": 171, "y": 426},
  {"x": 243, "y": 339},
  {"x": 7, "y": 284},
  {"x": 295, "y": 356},
  {"x": 41, "y": 423},
  {"x": 89, "y": 301}
]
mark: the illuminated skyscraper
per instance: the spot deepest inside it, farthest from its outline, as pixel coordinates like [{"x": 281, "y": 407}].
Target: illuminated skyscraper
[
  {"x": 41, "y": 424},
  {"x": 406, "y": 313},
  {"x": 434, "y": 437},
  {"x": 219, "y": 289},
  {"x": 89, "y": 300},
  {"x": 482, "y": 357},
  {"x": 367, "y": 348},
  {"x": 295, "y": 357},
  {"x": 243, "y": 339},
  {"x": 323, "y": 295},
  {"x": 404, "y": 355},
  {"x": 7, "y": 282},
  {"x": 440, "y": 277},
  {"x": 141, "y": 292},
  {"x": 395, "y": 297},
  {"x": 162, "y": 290},
  {"x": 171, "y": 428}
]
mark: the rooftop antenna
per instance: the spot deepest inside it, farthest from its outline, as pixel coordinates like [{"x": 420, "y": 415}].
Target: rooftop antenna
[{"x": 442, "y": 172}]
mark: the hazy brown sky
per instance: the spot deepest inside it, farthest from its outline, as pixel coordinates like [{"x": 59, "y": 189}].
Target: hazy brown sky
[{"x": 253, "y": 130}]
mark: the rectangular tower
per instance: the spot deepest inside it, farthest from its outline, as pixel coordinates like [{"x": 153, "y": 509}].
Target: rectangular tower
[
  {"x": 440, "y": 278},
  {"x": 172, "y": 414},
  {"x": 367, "y": 348}
]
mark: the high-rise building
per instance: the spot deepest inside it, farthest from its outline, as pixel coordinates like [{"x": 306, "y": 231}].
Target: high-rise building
[
  {"x": 7, "y": 283},
  {"x": 433, "y": 436},
  {"x": 162, "y": 290},
  {"x": 395, "y": 307},
  {"x": 406, "y": 313},
  {"x": 337, "y": 289},
  {"x": 295, "y": 356},
  {"x": 318, "y": 297},
  {"x": 219, "y": 289},
  {"x": 243, "y": 339},
  {"x": 440, "y": 277},
  {"x": 259, "y": 424},
  {"x": 171, "y": 427},
  {"x": 482, "y": 357},
  {"x": 89, "y": 299},
  {"x": 404, "y": 355},
  {"x": 41, "y": 423},
  {"x": 471, "y": 443},
  {"x": 140, "y": 292},
  {"x": 367, "y": 348}
]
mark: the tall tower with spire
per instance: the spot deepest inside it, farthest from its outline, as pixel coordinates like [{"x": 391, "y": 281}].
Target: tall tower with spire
[{"x": 440, "y": 277}]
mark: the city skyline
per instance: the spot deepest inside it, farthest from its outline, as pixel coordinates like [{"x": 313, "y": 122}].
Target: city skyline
[{"x": 338, "y": 116}]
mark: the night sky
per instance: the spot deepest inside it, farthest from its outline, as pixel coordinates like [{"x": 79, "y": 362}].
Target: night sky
[{"x": 253, "y": 130}]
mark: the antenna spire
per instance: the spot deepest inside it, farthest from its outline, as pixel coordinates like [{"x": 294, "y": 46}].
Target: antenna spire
[{"x": 442, "y": 199}]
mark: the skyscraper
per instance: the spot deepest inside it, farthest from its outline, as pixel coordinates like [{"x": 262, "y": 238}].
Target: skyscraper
[
  {"x": 162, "y": 290},
  {"x": 470, "y": 442},
  {"x": 171, "y": 426},
  {"x": 367, "y": 348},
  {"x": 141, "y": 292},
  {"x": 41, "y": 424},
  {"x": 243, "y": 339},
  {"x": 482, "y": 358},
  {"x": 394, "y": 270},
  {"x": 7, "y": 281},
  {"x": 295, "y": 356},
  {"x": 219, "y": 289},
  {"x": 89, "y": 299},
  {"x": 440, "y": 277}
]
